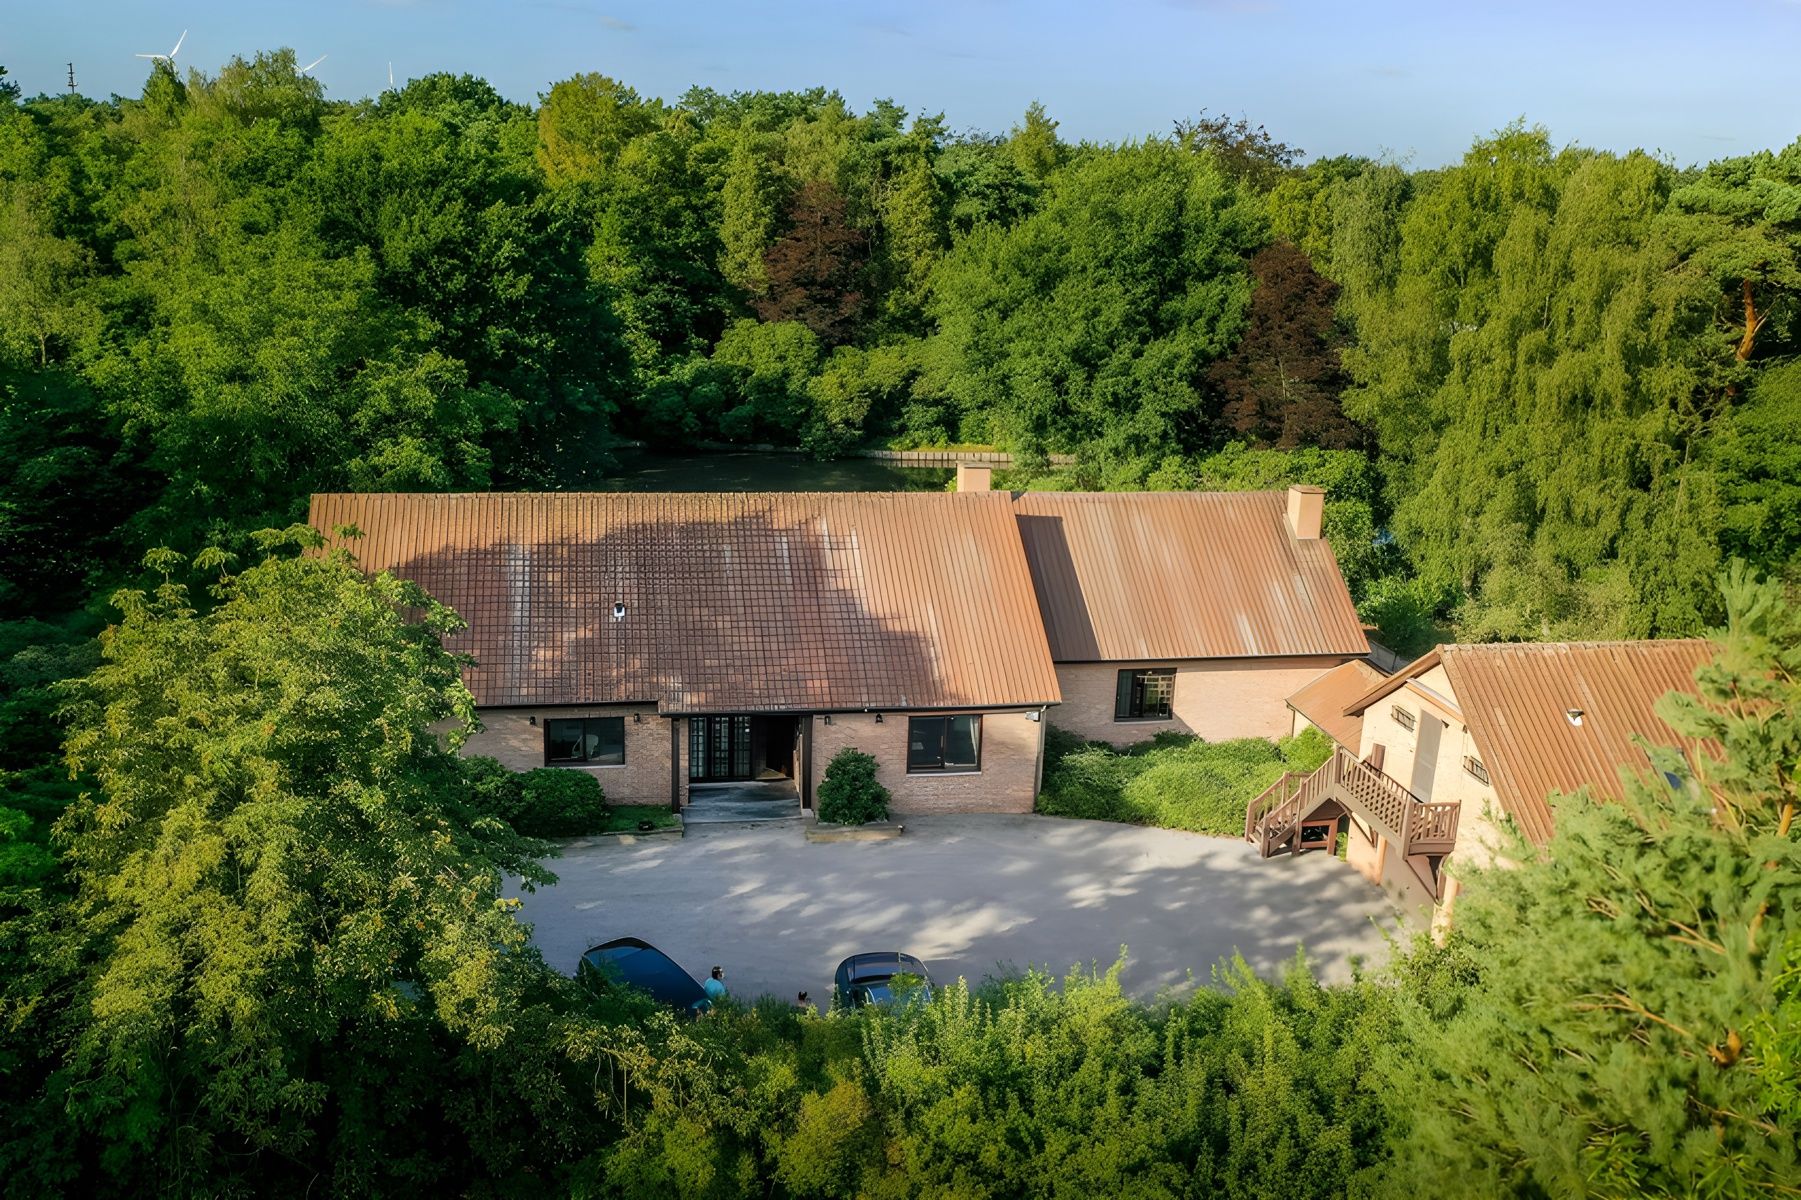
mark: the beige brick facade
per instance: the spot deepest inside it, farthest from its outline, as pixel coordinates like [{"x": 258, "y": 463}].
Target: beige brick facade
[
  {"x": 1216, "y": 698},
  {"x": 509, "y": 735},
  {"x": 1006, "y": 783},
  {"x": 1427, "y": 760}
]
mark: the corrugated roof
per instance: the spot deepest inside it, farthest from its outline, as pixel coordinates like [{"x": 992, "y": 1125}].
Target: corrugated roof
[
  {"x": 1149, "y": 575},
  {"x": 1324, "y": 701},
  {"x": 1515, "y": 698},
  {"x": 735, "y": 602}
]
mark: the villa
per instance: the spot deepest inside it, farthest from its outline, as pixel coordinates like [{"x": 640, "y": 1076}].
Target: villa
[
  {"x": 1431, "y": 761},
  {"x": 668, "y": 642}
]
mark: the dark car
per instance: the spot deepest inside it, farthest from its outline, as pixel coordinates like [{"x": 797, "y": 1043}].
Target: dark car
[
  {"x": 636, "y": 962},
  {"x": 865, "y": 979}
]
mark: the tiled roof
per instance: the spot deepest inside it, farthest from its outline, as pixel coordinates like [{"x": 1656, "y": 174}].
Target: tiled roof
[
  {"x": 1323, "y": 701},
  {"x": 1515, "y": 698},
  {"x": 736, "y": 602},
  {"x": 1167, "y": 575}
]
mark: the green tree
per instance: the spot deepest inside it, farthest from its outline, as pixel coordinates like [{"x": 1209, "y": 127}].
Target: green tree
[
  {"x": 1608, "y": 1043},
  {"x": 286, "y": 922},
  {"x": 1540, "y": 382},
  {"x": 1093, "y": 319},
  {"x": 1033, "y": 144},
  {"x": 769, "y": 364},
  {"x": 751, "y": 203},
  {"x": 585, "y": 123},
  {"x": 914, "y": 234},
  {"x": 41, "y": 277}
]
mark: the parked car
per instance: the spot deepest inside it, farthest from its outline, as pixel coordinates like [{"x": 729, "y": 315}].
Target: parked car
[
  {"x": 866, "y": 979},
  {"x": 636, "y": 962}
]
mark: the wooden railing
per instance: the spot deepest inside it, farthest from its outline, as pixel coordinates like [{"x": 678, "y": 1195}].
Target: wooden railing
[{"x": 1412, "y": 825}]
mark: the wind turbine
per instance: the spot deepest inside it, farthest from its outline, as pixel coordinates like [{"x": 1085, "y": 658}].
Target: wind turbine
[
  {"x": 170, "y": 56},
  {"x": 314, "y": 63}
]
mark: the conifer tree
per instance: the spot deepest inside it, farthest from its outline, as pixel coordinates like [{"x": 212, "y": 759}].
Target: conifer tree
[{"x": 1619, "y": 1035}]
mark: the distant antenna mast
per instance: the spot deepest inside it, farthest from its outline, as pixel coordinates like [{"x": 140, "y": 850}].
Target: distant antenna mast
[{"x": 71, "y": 79}]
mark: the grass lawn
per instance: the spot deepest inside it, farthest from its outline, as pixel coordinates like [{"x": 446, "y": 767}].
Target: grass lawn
[
  {"x": 624, "y": 818},
  {"x": 1174, "y": 781}
]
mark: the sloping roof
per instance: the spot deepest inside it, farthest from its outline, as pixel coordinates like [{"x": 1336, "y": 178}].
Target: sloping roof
[
  {"x": 736, "y": 602},
  {"x": 1515, "y": 699},
  {"x": 1324, "y": 701},
  {"x": 1165, "y": 575}
]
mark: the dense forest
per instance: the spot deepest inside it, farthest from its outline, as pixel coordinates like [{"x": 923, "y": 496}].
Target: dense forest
[{"x": 249, "y": 934}]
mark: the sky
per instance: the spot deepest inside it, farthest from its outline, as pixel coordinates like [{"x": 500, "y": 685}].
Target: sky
[{"x": 1415, "y": 82}]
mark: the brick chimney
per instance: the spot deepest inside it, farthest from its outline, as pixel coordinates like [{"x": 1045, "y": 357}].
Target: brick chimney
[
  {"x": 974, "y": 477},
  {"x": 1305, "y": 506}
]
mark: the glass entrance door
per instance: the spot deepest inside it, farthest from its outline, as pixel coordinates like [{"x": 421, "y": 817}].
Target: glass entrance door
[{"x": 719, "y": 748}]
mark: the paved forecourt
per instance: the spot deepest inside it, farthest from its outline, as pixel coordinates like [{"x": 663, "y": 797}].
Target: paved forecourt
[{"x": 971, "y": 895}]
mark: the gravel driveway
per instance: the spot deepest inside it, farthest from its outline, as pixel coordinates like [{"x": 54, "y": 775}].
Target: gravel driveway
[{"x": 971, "y": 895}]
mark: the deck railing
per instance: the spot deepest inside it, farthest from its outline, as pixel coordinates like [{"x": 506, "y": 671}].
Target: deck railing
[{"x": 1412, "y": 825}]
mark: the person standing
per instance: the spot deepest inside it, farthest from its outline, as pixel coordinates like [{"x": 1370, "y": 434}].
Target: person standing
[{"x": 714, "y": 987}]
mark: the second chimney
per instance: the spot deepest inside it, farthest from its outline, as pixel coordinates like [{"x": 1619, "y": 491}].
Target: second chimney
[
  {"x": 1306, "y": 505},
  {"x": 974, "y": 477}
]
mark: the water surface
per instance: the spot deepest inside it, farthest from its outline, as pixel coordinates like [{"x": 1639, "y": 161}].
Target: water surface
[{"x": 641, "y": 471}]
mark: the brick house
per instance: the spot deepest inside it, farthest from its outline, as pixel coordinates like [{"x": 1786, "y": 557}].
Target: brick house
[
  {"x": 1433, "y": 759},
  {"x": 670, "y": 641},
  {"x": 1194, "y": 612}
]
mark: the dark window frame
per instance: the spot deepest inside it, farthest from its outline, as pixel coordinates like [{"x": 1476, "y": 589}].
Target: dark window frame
[
  {"x": 943, "y": 720},
  {"x": 583, "y": 760},
  {"x": 1473, "y": 767},
  {"x": 1129, "y": 694}
]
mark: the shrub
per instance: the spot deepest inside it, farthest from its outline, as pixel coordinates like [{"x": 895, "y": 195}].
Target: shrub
[
  {"x": 493, "y": 788},
  {"x": 850, "y": 794},
  {"x": 1174, "y": 781},
  {"x": 1305, "y": 752},
  {"x": 547, "y": 802},
  {"x": 557, "y": 802}
]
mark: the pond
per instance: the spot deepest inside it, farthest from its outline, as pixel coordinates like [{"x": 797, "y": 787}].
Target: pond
[{"x": 642, "y": 471}]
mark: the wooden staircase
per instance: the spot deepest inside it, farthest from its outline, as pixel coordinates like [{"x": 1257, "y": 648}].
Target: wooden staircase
[{"x": 1272, "y": 822}]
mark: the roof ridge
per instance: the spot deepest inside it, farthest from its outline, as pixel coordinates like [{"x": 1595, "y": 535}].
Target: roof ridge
[{"x": 1605, "y": 643}]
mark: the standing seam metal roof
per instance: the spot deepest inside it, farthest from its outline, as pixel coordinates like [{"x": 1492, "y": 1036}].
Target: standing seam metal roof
[
  {"x": 1175, "y": 575},
  {"x": 1323, "y": 701},
  {"x": 734, "y": 602},
  {"x": 1515, "y": 699}
]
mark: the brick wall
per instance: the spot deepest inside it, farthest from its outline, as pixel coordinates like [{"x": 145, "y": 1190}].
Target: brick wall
[
  {"x": 509, "y": 736},
  {"x": 1006, "y": 783},
  {"x": 1216, "y": 698}
]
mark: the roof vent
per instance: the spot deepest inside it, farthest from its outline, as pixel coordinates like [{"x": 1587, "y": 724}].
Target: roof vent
[
  {"x": 619, "y": 610},
  {"x": 1574, "y": 716}
]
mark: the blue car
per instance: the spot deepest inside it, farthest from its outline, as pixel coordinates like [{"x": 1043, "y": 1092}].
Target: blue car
[
  {"x": 871, "y": 979},
  {"x": 639, "y": 964}
]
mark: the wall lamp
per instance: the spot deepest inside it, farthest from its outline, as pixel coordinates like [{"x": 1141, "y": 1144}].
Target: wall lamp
[
  {"x": 878, "y": 718},
  {"x": 827, "y": 718},
  {"x": 637, "y": 718},
  {"x": 534, "y": 718}
]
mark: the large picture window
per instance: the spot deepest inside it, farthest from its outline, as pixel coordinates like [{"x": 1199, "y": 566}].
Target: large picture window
[
  {"x": 595, "y": 741},
  {"x": 944, "y": 743},
  {"x": 1145, "y": 694}
]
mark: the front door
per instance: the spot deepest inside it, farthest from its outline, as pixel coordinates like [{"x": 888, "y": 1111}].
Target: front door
[
  {"x": 719, "y": 748},
  {"x": 1425, "y": 755}
]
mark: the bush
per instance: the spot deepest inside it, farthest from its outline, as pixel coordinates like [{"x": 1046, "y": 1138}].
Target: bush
[
  {"x": 1174, "y": 781},
  {"x": 850, "y": 793},
  {"x": 493, "y": 788},
  {"x": 556, "y": 802},
  {"x": 546, "y": 802}
]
